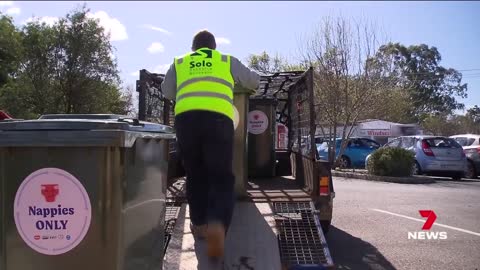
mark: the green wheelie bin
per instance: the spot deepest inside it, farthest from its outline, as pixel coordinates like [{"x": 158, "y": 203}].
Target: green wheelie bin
[{"x": 83, "y": 192}]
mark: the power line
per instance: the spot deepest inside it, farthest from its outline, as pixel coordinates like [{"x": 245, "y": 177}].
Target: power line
[{"x": 474, "y": 69}]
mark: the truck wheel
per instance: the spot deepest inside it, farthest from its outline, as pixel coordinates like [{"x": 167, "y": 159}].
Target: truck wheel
[{"x": 325, "y": 225}]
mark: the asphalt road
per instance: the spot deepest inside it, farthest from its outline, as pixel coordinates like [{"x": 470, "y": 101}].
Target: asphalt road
[{"x": 371, "y": 221}]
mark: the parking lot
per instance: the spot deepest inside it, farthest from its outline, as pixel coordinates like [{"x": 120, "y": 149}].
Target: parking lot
[{"x": 371, "y": 222}]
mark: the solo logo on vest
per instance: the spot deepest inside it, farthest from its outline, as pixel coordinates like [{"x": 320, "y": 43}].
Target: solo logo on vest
[
  {"x": 52, "y": 211},
  {"x": 422, "y": 235},
  {"x": 201, "y": 64}
]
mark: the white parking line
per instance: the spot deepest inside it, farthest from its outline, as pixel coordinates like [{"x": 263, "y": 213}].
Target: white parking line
[{"x": 423, "y": 221}]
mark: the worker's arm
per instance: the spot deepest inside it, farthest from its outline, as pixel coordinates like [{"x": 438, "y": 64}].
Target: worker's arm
[
  {"x": 169, "y": 84},
  {"x": 243, "y": 75}
]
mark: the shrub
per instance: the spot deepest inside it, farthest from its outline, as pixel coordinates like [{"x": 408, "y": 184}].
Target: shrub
[{"x": 391, "y": 162}]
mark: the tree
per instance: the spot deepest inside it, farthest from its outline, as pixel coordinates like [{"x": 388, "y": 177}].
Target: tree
[
  {"x": 36, "y": 81},
  {"x": 394, "y": 105},
  {"x": 474, "y": 114},
  {"x": 65, "y": 68},
  {"x": 443, "y": 124},
  {"x": 431, "y": 87},
  {"x": 85, "y": 70},
  {"x": 266, "y": 64},
  {"x": 10, "y": 49},
  {"x": 440, "y": 124},
  {"x": 347, "y": 83},
  {"x": 124, "y": 105}
]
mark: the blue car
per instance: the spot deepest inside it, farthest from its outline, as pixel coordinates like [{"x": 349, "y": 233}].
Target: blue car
[{"x": 355, "y": 153}]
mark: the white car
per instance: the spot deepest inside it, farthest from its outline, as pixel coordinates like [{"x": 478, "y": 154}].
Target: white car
[{"x": 471, "y": 146}]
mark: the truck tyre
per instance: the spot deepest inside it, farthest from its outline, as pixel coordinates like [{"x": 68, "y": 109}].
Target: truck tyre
[{"x": 325, "y": 224}]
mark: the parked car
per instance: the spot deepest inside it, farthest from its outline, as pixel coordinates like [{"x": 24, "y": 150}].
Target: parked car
[
  {"x": 356, "y": 151},
  {"x": 471, "y": 147},
  {"x": 433, "y": 154}
]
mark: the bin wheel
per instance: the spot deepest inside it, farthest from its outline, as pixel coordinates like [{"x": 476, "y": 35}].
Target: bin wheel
[{"x": 325, "y": 225}]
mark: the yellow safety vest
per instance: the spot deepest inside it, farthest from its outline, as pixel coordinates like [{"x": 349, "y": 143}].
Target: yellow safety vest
[{"x": 204, "y": 82}]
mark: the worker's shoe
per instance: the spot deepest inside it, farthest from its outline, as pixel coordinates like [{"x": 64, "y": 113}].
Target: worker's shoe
[
  {"x": 215, "y": 240},
  {"x": 199, "y": 231}
]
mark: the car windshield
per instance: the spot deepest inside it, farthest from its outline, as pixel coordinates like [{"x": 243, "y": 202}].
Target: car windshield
[
  {"x": 370, "y": 143},
  {"x": 322, "y": 146},
  {"x": 464, "y": 141},
  {"x": 442, "y": 143}
]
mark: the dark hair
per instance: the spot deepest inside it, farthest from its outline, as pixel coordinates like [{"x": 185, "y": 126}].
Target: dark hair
[{"x": 204, "y": 39}]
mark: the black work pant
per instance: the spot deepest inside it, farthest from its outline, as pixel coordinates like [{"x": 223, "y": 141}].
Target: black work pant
[{"x": 205, "y": 141}]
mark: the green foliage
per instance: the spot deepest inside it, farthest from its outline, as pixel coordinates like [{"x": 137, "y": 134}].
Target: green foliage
[
  {"x": 395, "y": 107},
  {"x": 432, "y": 88},
  {"x": 10, "y": 49},
  {"x": 391, "y": 162},
  {"x": 64, "y": 68},
  {"x": 448, "y": 125},
  {"x": 266, "y": 64},
  {"x": 474, "y": 114}
]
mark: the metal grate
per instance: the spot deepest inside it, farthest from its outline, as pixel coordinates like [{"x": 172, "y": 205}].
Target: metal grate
[
  {"x": 299, "y": 240},
  {"x": 277, "y": 86},
  {"x": 153, "y": 106},
  {"x": 171, "y": 216}
]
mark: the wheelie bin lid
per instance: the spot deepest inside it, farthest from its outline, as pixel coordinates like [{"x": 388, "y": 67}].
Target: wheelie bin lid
[{"x": 77, "y": 122}]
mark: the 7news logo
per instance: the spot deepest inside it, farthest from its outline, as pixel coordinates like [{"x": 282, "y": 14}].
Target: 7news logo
[{"x": 422, "y": 235}]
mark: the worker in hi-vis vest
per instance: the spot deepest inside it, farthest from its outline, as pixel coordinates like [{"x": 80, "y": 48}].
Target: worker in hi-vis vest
[{"x": 202, "y": 82}]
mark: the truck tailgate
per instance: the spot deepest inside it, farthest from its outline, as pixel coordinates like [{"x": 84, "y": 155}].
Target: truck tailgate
[{"x": 281, "y": 235}]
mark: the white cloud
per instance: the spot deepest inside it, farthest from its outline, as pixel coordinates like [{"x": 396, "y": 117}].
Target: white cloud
[
  {"x": 13, "y": 11},
  {"x": 156, "y": 28},
  {"x": 222, "y": 41},
  {"x": 161, "y": 68},
  {"x": 46, "y": 19},
  {"x": 135, "y": 74},
  {"x": 112, "y": 25},
  {"x": 6, "y": 3},
  {"x": 156, "y": 47},
  {"x": 9, "y": 8},
  {"x": 469, "y": 106}
]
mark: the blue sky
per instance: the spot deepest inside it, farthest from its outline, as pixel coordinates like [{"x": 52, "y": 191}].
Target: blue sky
[{"x": 149, "y": 34}]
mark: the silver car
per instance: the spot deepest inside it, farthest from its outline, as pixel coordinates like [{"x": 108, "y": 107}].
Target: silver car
[{"x": 434, "y": 154}]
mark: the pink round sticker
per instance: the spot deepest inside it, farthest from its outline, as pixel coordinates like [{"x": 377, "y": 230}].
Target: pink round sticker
[
  {"x": 52, "y": 211},
  {"x": 257, "y": 122}
]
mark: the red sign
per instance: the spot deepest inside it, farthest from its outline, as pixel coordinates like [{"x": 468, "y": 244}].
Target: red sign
[
  {"x": 378, "y": 133},
  {"x": 50, "y": 192},
  {"x": 431, "y": 217},
  {"x": 282, "y": 136}
]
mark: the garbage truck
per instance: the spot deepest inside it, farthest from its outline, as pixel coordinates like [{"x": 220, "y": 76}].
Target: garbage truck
[{"x": 285, "y": 193}]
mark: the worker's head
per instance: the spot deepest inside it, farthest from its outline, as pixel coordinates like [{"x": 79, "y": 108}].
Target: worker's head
[{"x": 204, "y": 39}]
